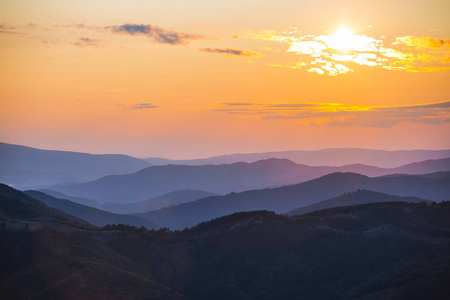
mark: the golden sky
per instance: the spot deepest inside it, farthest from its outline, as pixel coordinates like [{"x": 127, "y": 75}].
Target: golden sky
[{"x": 190, "y": 79}]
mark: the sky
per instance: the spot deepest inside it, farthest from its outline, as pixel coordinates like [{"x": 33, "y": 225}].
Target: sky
[{"x": 191, "y": 79}]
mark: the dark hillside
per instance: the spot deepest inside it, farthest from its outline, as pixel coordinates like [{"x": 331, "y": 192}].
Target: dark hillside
[
  {"x": 374, "y": 251},
  {"x": 92, "y": 215},
  {"x": 354, "y": 198}
]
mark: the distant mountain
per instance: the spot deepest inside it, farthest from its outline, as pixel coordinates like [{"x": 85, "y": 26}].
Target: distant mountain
[
  {"x": 374, "y": 251},
  {"x": 79, "y": 200},
  {"x": 158, "y": 202},
  {"x": 325, "y": 157},
  {"x": 17, "y": 205},
  {"x": 221, "y": 179},
  {"x": 92, "y": 215},
  {"x": 159, "y": 180},
  {"x": 354, "y": 198},
  {"x": 25, "y": 167},
  {"x": 284, "y": 199}
]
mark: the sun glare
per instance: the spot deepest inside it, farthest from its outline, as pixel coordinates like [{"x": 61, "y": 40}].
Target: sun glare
[
  {"x": 344, "y": 32},
  {"x": 343, "y": 39}
]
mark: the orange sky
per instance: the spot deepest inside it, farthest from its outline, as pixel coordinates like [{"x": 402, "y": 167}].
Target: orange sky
[{"x": 193, "y": 79}]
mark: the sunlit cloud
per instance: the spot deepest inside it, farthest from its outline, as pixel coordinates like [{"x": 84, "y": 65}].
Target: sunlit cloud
[
  {"x": 346, "y": 115},
  {"x": 427, "y": 42},
  {"x": 343, "y": 51},
  {"x": 231, "y": 52}
]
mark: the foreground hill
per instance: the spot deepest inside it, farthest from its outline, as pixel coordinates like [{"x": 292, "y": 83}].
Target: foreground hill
[
  {"x": 17, "y": 205},
  {"x": 354, "y": 198},
  {"x": 325, "y": 157},
  {"x": 92, "y": 215},
  {"x": 47, "y": 254},
  {"x": 291, "y": 197},
  {"x": 376, "y": 251},
  {"x": 221, "y": 179},
  {"x": 26, "y": 167}
]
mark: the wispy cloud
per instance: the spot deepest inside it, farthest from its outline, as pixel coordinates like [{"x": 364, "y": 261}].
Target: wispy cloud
[
  {"x": 345, "y": 115},
  {"x": 238, "y": 103},
  {"x": 143, "y": 106},
  {"x": 231, "y": 52},
  {"x": 138, "y": 106},
  {"x": 156, "y": 33},
  {"x": 87, "y": 42},
  {"x": 8, "y": 29}
]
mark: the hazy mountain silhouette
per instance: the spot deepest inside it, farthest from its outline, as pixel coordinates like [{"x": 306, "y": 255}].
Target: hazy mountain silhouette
[
  {"x": 325, "y": 157},
  {"x": 221, "y": 179},
  {"x": 284, "y": 199},
  {"x": 18, "y": 205},
  {"x": 92, "y": 215},
  {"x": 25, "y": 167},
  {"x": 374, "y": 251},
  {"x": 79, "y": 200},
  {"x": 173, "y": 198},
  {"x": 158, "y": 202},
  {"x": 354, "y": 198}
]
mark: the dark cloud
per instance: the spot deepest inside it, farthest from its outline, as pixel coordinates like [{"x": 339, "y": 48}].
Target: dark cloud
[
  {"x": 292, "y": 105},
  {"x": 231, "y": 52},
  {"x": 87, "y": 42},
  {"x": 142, "y": 106},
  {"x": 238, "y": 103},
  {"x": 157, "y": 34}
]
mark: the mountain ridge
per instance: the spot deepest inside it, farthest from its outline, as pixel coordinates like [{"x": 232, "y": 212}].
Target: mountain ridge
[
  {"x": 221, "y": 179},
  {"x": 287, "y": 198}
]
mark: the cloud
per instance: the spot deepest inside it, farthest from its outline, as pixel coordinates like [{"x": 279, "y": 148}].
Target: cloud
[
  {"x": 87, "y": 42},
  {"x": 343, "y": 51},
  {"x": 8, "y": 29},
  {"x": 231, "y": 52},
  {"x": 238, "y": 103},
  {"x": 157, "y": 34},
  {"x": 32, "y": 26},
  {"x": 138, "y": 106},
  {"x": 142, "y": 106},
  {"x": 426, "y": 42},
  {"x": 345, "y": 115}
]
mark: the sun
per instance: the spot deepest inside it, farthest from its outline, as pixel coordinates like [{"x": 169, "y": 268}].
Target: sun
[
  {"x": 343, "y": 39},
  {"x": 344, "y": 32}
]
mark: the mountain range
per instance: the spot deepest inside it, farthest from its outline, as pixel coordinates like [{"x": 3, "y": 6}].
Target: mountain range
[
  {"x": 221, "y": 179},
  {"x": 26, "y": 167},
  {"x": 434, "y": 187},
  {"x": 325, "y": 157},
  {"x": 389, "y": 250},
  {"x": 31, "y": 168}
]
